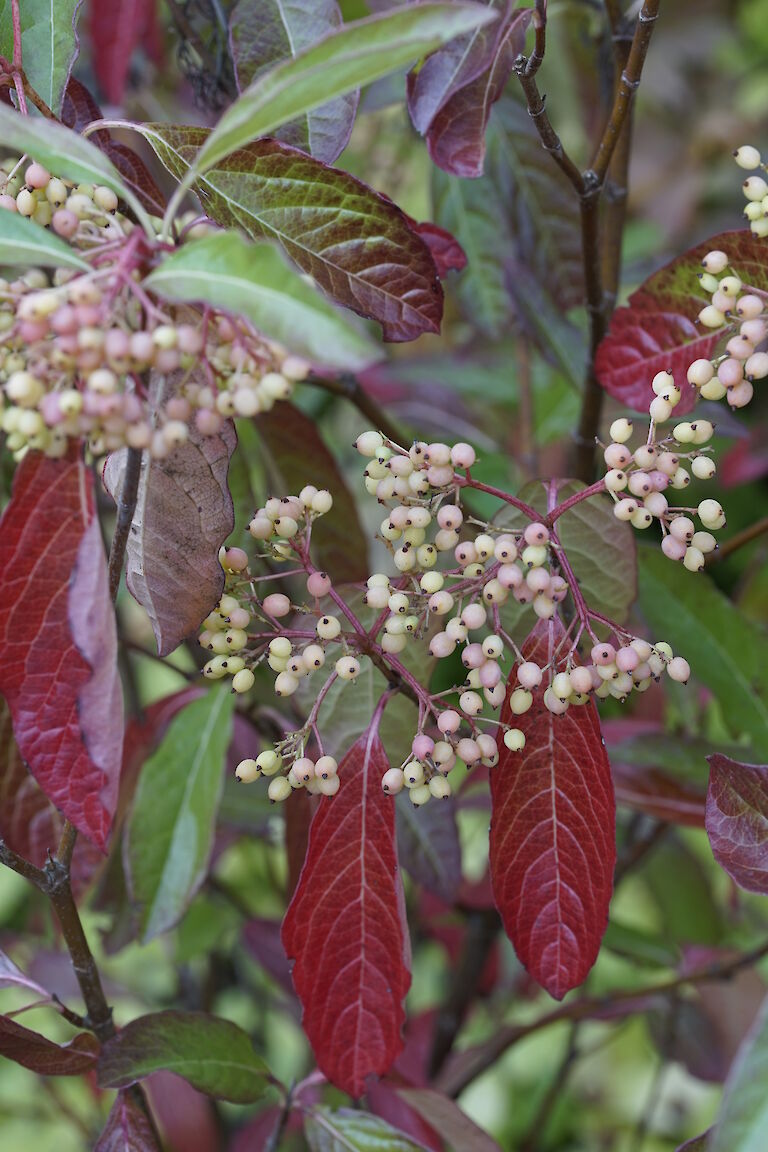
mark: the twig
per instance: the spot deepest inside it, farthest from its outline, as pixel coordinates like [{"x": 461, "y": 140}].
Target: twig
[
  {"x": 549, "y": 138},
  {"x": 482, "y": 929},
  {"x": 531, "y": 1140},
  {"x": 349, "y": 387},
  {"x": 746, "y": 536},
  {"x": 473, "y": 1063},
  {"x": 126, "y": 506}
]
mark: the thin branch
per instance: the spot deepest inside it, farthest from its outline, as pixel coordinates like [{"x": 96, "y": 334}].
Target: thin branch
[
  {"x": 23, "y": 867},
  {"x": 550, "y": 140},
  {"x": 126, "y": 506},
  {"x": 350, "y": 389},
  {"x": 473, "y": 1063},
  {"x": 627, "y": 87},
  {"x": 746, "y": 536}
]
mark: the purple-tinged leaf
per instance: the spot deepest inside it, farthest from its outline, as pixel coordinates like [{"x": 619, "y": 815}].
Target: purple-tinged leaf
[
  {"x": 295, "y": 449},
  {"x": 349, "y": 1130},
  {"x": 428, "y": 846},
  {"x": 213, "y": 1055},
  {"x": 262, "y": 939},
  {"x": 80, "y": 109},
  {"x": 737, "y": 820},
  {"x": 447, "y": 253},
  {"x": 184, "y": 514},
  {"x": 13, "y": 977},
  {"x": 41, "y": 1055},
  {"x": 116, "y": 30},
  {"x": 742, "y": 1123},
  {"x": 445, "y": 1116},
  {"x": 187, "y": 1119},
  {"x": 128, "y": 1128},
  {"x": 451, "y": 94},
  {"x": 356, "y": 244},
  {"x": 658, "y": 331},
  {"x": 57, "y": 631},
  {"x": 269, "y": 31}
]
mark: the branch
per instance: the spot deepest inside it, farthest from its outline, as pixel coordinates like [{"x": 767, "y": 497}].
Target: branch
[
  {"x": 537, "y": 111},
  {"x": 629, "y": 82},
  {"x": 349, "y": 387},
  {"x": 126, "y": 506},
  {"x": 746, "y": 536},
  {"x": 471, "y": 1064}
]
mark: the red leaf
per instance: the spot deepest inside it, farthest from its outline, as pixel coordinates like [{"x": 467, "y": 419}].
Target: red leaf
[
  {"x": 128, "y": 1128},
  {"x": 78, "y": 111},
  {"x": 385, "y": 1101},
  {"x": 41, "y": 1055},
  {"x": 29, "y": 823},
  {"x": 57, "y": 631},
  {"x": 451, "y": 94},
  {"x": 185, "y": 1117},
  {"x": 184, "y": 513},
  {"x": 553, "y": 845},
  {"x": 658, "y": 331},
  {"x": 116, "y": 29},
  {"x": 737, "y": 820},
  {"x": 346, "y": 929},
  {"x": 447, "y": 253},
  {"x": 445, "y": 1115},
  {"x": 299, "y": 456},
  {"x": 657, "y": 794}
]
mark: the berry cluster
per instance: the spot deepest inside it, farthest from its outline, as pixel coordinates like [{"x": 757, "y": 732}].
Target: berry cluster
[
  {"x": 754, "y": 188},
  {"x": 76, "y": 348},
  {"x": 456, "y": 606},
  {"x": 640, "y": 481}
]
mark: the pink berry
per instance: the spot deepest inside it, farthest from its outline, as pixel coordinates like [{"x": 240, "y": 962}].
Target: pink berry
[
  {"x": 450, "y": 516},
  {"x": 462, "y": 455},
  {"x": 442, "y": 645},
  {"x": 473, "y": 656},
  {"x": 208, "y": 422},
  {"x": 36, "y": 176},
  {"x": 627, "y": 659},
  {"x": 449, "y": 721},
  {"x": 490, "y": 674},
  {"x": 529, "y": 675},
  {"x": 603, "y": 654},
  {"x": 277, "y": 605},
  {"x": 730, "y": 373},
  {"x": 536, "y": 534},
  {"x": 65, "y": 223},
  {"x": 319, "y": 584},
  {"x": 468, "y": 751},
  {"x": 673, "y": 549},
  {"x": 422, "y": 746}
]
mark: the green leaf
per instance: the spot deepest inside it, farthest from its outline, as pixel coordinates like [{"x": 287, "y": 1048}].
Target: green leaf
[
  {"x": 726, "y": 652},
  {"x": 64, "y": 152},
  {"x": 640, "y": 945},
  {"x": 49, "y": 44},
  {"x": 172, "y": 822},
  {"x": 358, "y": 53},
  {"x": 742, "y": 1125},
  {"x": 269, "y": 32},
  {"x": 355, "y": 243},
  {"x": 345, "y": 1130},
  {"x": 214, "y": 1055},
  {"x": 23, "y": 243},
  {"x": 253, "y": 280}
]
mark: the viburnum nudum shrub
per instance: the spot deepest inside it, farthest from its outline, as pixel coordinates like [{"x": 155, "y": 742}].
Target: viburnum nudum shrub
[{"x": 172, "y": 297}]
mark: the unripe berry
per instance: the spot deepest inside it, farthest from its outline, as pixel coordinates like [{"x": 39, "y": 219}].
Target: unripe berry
[
  {"x": 747, "y": 157},
  {"x": 347, "y": 668},
  {"x": 247, "y": 771},
  {"x": 715, "y": 390},
  {"x": 711, "y": 514},
  {"x": 473, "y": 616},
  {"x": 679, "y": 669},
  {"x": 368, "y": 443},
  {"x": 621, "y": 430},
  {"x": 324, "y": 769},
  {"x": 394, "y": 644},
  {"x": 693, "y": 560},
  {"x": 468, "y": 751},
  {"x": 461, "y": 455},
  {"x": 755, "y": 188},
  {"x": 279, "y": 789},
  {"x": 328, "y": 627},
  {"x": 276, "y": 605},
  {"x": 554, "y": 704},
  {"x": 520, "y": 701},
  {"x": 470, "y": 703},
  {"x": 414, "y": 774},
  {"x": 431, "y": 582},
  {"x": 672, "y": 548},
  {"x": 419, "y": 795},
  {"x": 561, "y": 685},
  {"x": 243, "y": 681},
  {"x": 617, "y": 456},
  {"x": 741, "y": 395},
  {"x": 444, "y": 756},
  {"x": 322, "y": 502},
  {"x": 640, "y": 484},
  {"x": 615, "y": 480},
  {"x": 280, "y": 647},
  {"x": 625, "y": 509},
  {"x": 493, "y": 647},
  {"x": 756, "y": 368},
  {"x": 700, "y": 372},
  {"x": 449, "y": 721},
  {"x": 439, "y": 787},
  {"x": 660, "y": 409},
  {"x": 715, "y": 262},
  {"x": 656, "y": 503},
  {"x": 514, "y": 739},
  {"x": 703, "y": 467},
  {"x": 285, "y": 684},
  {"x": 487, "y": 746},
  {"x": 534, "y": 555},
  {"x": 682, "y": 528},
  {"x": 711, "y": 317},
  {"x": 450, "y": 516},
  {"x": 704, "y": 541},
  {"x": 680, "y": 479},
  {"x": 269, "y": 762}
]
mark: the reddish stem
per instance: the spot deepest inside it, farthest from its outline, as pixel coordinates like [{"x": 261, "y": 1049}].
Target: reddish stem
[{"x": 572, "y": 501}]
